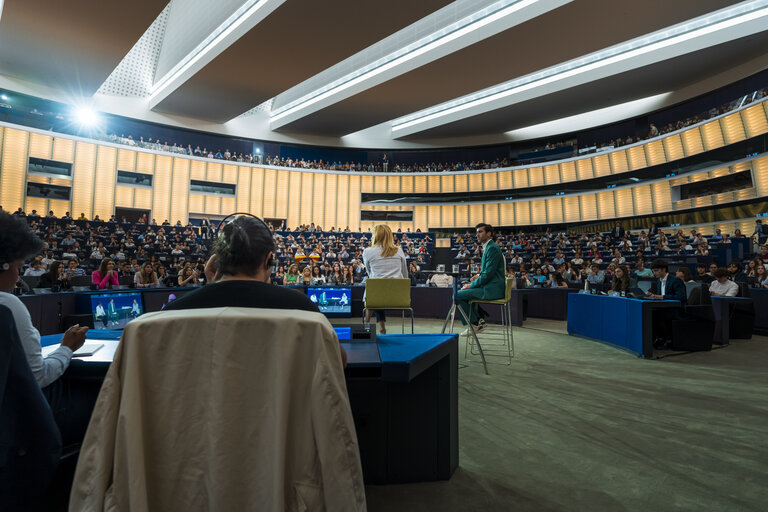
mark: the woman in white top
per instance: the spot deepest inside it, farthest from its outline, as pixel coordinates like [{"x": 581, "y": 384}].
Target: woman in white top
[{"x": 383, "y": 259}]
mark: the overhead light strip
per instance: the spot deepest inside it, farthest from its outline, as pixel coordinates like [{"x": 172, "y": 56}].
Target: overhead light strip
[
  {"x": 475, "y": 21},
  {"x": 695, "y": 28},
  {"x": 240, "y": 16}
]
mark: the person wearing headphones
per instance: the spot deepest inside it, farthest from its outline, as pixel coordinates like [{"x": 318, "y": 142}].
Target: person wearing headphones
[{"x": 239, "y": 271}]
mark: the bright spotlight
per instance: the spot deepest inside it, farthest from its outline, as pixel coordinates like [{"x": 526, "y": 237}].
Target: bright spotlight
[
  {"x": 258, "y": 150},
  {"x": 3, "y": 97},
  {"x": 86, "y": 116}
]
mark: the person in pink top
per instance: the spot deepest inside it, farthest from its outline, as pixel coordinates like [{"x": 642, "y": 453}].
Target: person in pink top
[{"x": 106, "y": 275}]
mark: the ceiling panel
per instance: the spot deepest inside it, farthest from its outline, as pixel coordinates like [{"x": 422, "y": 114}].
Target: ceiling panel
[
  {"x": 298, "y": 40},
  {"x": 665, "y": 76},
  {"x": 71, "y": 45},
  {"x": 573, "y": 30}
]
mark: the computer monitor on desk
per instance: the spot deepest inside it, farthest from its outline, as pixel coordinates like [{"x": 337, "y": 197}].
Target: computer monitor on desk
[
  {"x": 115, "y": 310},
  {"x": 332, "y": 302}
]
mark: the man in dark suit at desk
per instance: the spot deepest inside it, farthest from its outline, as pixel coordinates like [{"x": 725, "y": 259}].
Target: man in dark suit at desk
[
  {"x": 618, "y": 232},
  {"x": 665, "y": 287}
]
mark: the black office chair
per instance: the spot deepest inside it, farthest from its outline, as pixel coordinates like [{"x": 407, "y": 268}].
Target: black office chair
[
  {"x": 742, "y": 316},
  {"x": 29, "y": 438}
]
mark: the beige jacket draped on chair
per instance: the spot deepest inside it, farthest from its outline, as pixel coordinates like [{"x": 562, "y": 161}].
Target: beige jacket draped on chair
[{"x": 224, "y": 409}]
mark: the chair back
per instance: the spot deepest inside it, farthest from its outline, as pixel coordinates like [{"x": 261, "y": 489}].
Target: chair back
[
  {"x": 384, "y": 293},
  {"x": 690, "y": 287},
  {"x": 253, "y": 399},
  {"x": 30, "y": 443},
  {"x": 510, "y": 284}
]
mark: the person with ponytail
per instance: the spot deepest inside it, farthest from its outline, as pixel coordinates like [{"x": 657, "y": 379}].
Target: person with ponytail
[{"x": 384, "y": 259}]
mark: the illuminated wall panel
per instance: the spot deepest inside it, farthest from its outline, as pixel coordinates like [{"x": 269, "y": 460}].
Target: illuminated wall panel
[
  {"x": 491, "y": 181},
  {"x": 63, "y": 150},
  {"x": 446, "y": 183},
  {"x": 330, "y": 201},
  {"x": 305, "y": 213},
  {"x": 491, "y": 214},
  {"x": 476, "y": 214},
  {"x": 97, "y": 196},
  {"x": 197, "y": 170},
  {"x": 161, "y": 184},
  {"x": 662, "y": 196},
  {"x": 602, "y": 165},
  {"x": 584, "y": 169},
  {"x": 571, "y": 208},
  {"x": 568, "y": 171},
  {"x": 760, "y": 175},
  {"x": 142, "y": 198},
  {"x": 712, "y": 135},
  {"x": 197, "y": 203},
  {"x": 420, "y": 184},
  {"x": 32, "y": 178},
  {"x": 282, "y": 200},
  {"x": 145, "y": 162},
  {"x": 475, "y": 182},
  {"x": 393, "y": 184},
  {"x": 673, "y": 147},
  {"x": 606, "y": 206},
  {"x": 318, "y": 201},
  {"x": 654, "y": 152},
  {"x": 40, "y": 146},
  {"x": 506, "y": 181},
  {"x": 59, "y": 207},
  {"x": 535, "y": 177},
  {"x": 229, "y": 174},
  {"x": 380, "y": 184},
  {"x": 213, "y": 172},
  {"x": 507, "y": 212},
  {"x": 13, "y": 169},
  {"x": 243, "y": 189},
  {"x": 462, "y": 216},
  {"x": 521, "y": 178},
  {"x": 461, "y": 183},
  {"x": 636, "y": 157},
  {"x": 733, "y": 128},
  {"x": 37, "y": 203},
  {"x": 367, "y": 184},
  {"x": 227, "y": 205},
  {"x": 353, "y": 204},
  {"x": 618, "y": 163},
  {"x": 522, "y": 213},
  {"x": 448, "y": 216},
  {"x": 433, "y": 216},
  {"x": 104, "y": 183},
  {"x": 126, "y": 160},
  {"x": 552, "y": 174},
  {"x": 406, "y": 185},
  {"x": 742, "y": 195},
  {"x": 702, "y": 201},
  {"x": 123, "y": 197},
  {"x": 692, "y": 143},
  {"x": 554, "y": 210},
  {"x": 716, "y": 173},
  {"x": 269, "y": 190},
  {"x": 682, "y": 205},
  {"x": 588, "y": 207},
  {"x": 539, "y": 211},
  {"x": 755, "y": 120},
  {"x": 179, "y": 190},
  {"x": 624, "y": 205},
  {"x": 420, "y": 217},
  {"x": 211, "y": 205},
  {"x": 643, "y": 201},
  {"x": 342, "y": 201},
  {"x": 257, "y": 192}
]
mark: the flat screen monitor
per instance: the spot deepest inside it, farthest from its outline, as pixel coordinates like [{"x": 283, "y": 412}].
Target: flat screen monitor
[
  {"x": 344, "y": 333},
  {"x": 156, "y": 300},
  {"x": 114, "y": 310},
  {"x": 332, "y": 302}
]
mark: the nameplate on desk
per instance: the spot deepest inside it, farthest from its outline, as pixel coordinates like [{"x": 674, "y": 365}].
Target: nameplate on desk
[{"x": 88, "y": 350}]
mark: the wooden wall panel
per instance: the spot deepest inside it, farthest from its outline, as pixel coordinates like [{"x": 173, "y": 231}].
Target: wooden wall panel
[
  {"x": 243, "y": 203},
  {"x": 606, "y": 205},
  {"x": 214, "y": 171},
  {"x": 318, "y": 200},
  {"x": 507, "y": 213},
  {"x": 433, "y": 216},
  {"x": 197, "y": 170},
  {"x": 123, "y": 197},
  {"x": 521, "y": 178},
  {"x": 461, "y": 183},
  {"x": 40, "y": 146},
  {"x": 329, "y": 200},
  {"x": 97, "y": 196},
  {"x": 506, "y": 180},
  {"x": 420, "y": 217},
  {"x": 624, "y": 202},
  {"x": 619, "y": 163},
  {"x": 760, "y": 175},
  {"x": 305, "y": 213},
  {"x": 571, "y": 208},
  {"x": 380, "y": 185},
  {"x": 733, "y": 128},
  {"x": 342, "y": 201},
  {"x": 126, "y": 160},
  {"x": 535, "y": 177},
  {"x": 145, "y": 162},
  {"x": 476, "y": 214},
  {"x": 475, "y": 182},
  {"x": 353, "y": 204},
  {"x": 539, "y": 211},
  {"x": 13, "y": 169},
  {"x": 555, "y": 210},
  {"x": 673, "y": 147},
  {"x": 447, "y": 213},
  {"x": 197, "y": 204},
  {"x": 282, "y": 199},
  {"x": 142, "y": 198},
  {"x": 406, "y": 185},
  {"x": 654, "y": 152},
  {"x": 755, "y": 120},
  {"x": 446, "y": 184},
  {"x": 162, "y": 185},
  {"x": 568, "y": 171},
  {"x": 63, "y": 150},
  {"x": 643, "y": 200},
  {"x": 522, "y": 213},
  {"x": 692, "y": 143},
  {"x": 269, "y": 192},
  {"x": 712, "y": 135},
  {"x": 584, "y": 169},
  {"x": 552, "y": 174},
  {"x": 588, "y": 204},
  {"x": 462, "y": 216},
  {"x": 636, "y": 157},
  {"x": 229, "y": 174},
  {"x": 180, "y": 190},
  {"x": 492, "y": 214}
]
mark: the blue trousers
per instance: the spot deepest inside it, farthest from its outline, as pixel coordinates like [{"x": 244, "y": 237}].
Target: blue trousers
[{"x": 462, "y": 299}]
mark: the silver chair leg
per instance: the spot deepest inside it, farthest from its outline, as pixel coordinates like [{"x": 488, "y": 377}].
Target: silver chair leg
[{"x": 474, "y": 335}]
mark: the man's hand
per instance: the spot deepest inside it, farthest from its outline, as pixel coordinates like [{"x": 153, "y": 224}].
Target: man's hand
[
  {"x": 466, "y": 286},
  {"x": 210, "y": 270},
  {"x": 74, "y": 337},
  {"x": 474, "y": 277}
]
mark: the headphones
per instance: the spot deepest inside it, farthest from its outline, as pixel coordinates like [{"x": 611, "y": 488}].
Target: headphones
[
  {"x": 5, "y": 266},
  {"x": 271, "y": 262}
]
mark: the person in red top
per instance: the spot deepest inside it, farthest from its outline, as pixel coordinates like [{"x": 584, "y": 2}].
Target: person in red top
[{"x": 106, "y": 275}]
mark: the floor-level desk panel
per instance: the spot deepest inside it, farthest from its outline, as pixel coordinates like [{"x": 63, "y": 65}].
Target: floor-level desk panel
[
  {"x": 403, "y": 390},
  {"x": 625, "y": 323},
  {"x": 760, "y": 299}
]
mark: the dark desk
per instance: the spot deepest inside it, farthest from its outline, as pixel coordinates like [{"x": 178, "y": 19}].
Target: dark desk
[
  {"x": 760, "y": 299},
  {"x": 723, "y": 308},
  {"x": 403, "y": 390},
  {"x": 622, "y": 322}
]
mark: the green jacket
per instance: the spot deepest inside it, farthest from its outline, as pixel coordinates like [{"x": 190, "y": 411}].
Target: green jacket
[{"x": 492, "y": 278}]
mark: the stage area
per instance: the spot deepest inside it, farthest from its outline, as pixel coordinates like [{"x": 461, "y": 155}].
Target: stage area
[{"x": 575, "y": 425}]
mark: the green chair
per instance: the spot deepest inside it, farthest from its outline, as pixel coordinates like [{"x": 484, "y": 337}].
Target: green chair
[
  {"x": 505, "y": 341},
  {"x": 388, "y": 293}
]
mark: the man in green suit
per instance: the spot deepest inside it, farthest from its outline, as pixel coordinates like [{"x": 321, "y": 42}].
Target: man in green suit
[{"x": 490, "y": 283}]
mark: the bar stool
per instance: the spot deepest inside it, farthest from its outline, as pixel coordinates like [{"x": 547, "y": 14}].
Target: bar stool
[{"x": 504, "y": 341}]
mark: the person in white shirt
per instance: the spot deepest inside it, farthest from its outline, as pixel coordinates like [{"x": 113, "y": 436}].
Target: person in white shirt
[
  {"x": 722, "y": 286},
  {"x": 17, "y": 242},
  {"x": 384, "y": 259},
  {"x": 35, "y": 268}
]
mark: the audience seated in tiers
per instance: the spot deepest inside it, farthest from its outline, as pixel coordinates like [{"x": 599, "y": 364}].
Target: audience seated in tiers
[{"x": 385, "y": 165}]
